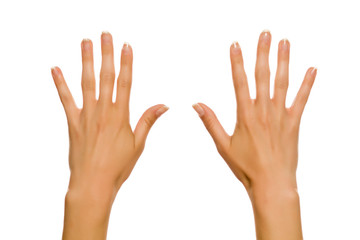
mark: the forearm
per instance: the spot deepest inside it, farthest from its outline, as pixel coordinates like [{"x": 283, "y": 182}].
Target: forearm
[
  {"x": 277, "y": 211},
  {"x": 87, "y": 212}
]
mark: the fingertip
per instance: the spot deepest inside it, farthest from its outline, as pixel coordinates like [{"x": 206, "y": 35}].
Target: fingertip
[
  {"x": 86, "y": 44},
  {"x": 199, "y": 109},
  {"x": 106, "y": 43},
  {"x": 56, "y": 74},
  {"x": 105, "y": 35},
  {"x": 284, "y": 44},
  {"x": 161, "y": 110},
  {"x": 127, "y": 49},
  {"x": 265, "y": 35},
  {"x": 313, "y": 71},
  {"x": 235, "y": 48},
  {"x": 235, "y": 54},
  {"x": 54, "y": 71},
  {"x": 126, "y": 45}
]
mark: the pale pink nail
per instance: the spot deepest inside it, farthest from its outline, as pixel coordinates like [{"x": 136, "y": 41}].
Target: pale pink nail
[
  {"x": 313, "y": 71},
  {"x": 198, "y": 109},
  {"x": 161, "y": 110},
  {"x": 54, "y": 71}
]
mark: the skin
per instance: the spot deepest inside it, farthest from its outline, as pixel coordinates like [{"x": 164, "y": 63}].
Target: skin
[
  {"x": 103, "y": 148},
  {"x": 263, "y": 150}
]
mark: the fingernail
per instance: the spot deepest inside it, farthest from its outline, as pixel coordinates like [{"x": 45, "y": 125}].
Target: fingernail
[
  {"x": 198, "y": 109},
  {"x": 236, "y": 47},
  {"x": 284, "y": 43},
  {"x": 105, "y": 35},
  {"x": 85, "y": 43},
  {"x": 314, "y": 71},
  {"x": 235, "y": 44},
  {"x": 266, "y": 34},
  {"x": 126, "y": 45},
  {"x": 54, "y": 71},
  {"x": 161, "y": 110}
]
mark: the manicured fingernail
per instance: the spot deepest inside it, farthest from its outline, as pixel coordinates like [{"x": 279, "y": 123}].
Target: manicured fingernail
[
  {"x": 86, "y": 43},
  {"x": 236, "y": 47},
  {"x": 54, "y": 71},
  {"x": 266, "y": 32},
  {"x": 105, "y": 35},
  {"x": 314, "y": 71},
  {"x": 266, "y": 35},
  {"x": 198, "y": 109},
  {"x": 284, "y": 43},
  {"x": 126, "y": 49},
  {"x": 161, "y": 110},
  {"x": 235, "y": 44},
  {"x": 126, "y": 45}
]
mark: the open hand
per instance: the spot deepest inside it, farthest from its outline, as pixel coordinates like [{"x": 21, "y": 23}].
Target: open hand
[
  {"x": 263, "y": 150},
  {"x": 103, "y": 147}
]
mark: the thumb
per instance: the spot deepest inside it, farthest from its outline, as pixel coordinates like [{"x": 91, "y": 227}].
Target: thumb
[
  {"x": 212, "y": 124},
  {"x": 146, "y": 121}
]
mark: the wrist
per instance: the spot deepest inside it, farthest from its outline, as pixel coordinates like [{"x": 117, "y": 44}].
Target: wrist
[
  {"x": 276, "y": 210},
  {"x": 274, "y": 188},
  {"x": 94, "y": 189},
  {"x": 87, "y": 213}
]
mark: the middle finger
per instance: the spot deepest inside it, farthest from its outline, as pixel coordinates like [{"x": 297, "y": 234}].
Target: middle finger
[
  {"x": 262, "y": 69},
  {"x": 107, "y": 72}
]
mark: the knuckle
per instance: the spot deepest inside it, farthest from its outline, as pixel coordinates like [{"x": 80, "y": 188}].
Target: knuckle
[
  {"x": 262, "y": 69},
  {"x": 241, "y": 82},
  {"x": 87, "y": 84},
  {"x": 282, "y": 81},
  {"x": 124, "y": 82},
  {"x": 210, "y": 123},
  {"x": 108, "y": 75},
  {"x": 148, "y": 121},
  {"x": 303, "y": 95}
]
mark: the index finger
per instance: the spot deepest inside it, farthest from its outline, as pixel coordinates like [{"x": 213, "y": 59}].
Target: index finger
[{"x": 238, "y": 74}]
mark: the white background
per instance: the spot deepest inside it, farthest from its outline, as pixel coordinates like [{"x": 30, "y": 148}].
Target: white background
[{"x": 180, "y": 188}]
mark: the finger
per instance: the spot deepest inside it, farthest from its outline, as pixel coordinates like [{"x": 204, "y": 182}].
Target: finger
[
  {"x": 107, "y": 72},
  {"x": 238, "y": 74},
  {"x": 282, "y": 72},
  {"x": 146, "y": 121},
  {"x": 304, "y": 92},
  {"x": 125, "y": 78},
  {"x": 88, "y": 76},
  {"x": 212, "y": 124},
  {"x": 262, "y": 69},
  {"x": 66, "y": 98}
]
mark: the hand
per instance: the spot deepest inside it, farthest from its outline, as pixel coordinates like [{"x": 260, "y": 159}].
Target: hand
[
  {"x": 103, "y": 147},
  {"x": 263, "y": 150}
]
